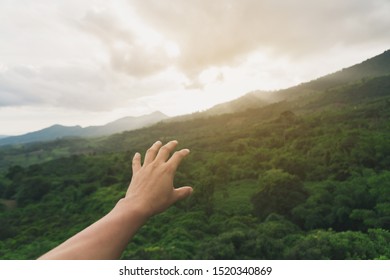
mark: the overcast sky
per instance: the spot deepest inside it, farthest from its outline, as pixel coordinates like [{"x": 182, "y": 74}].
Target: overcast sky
[{"x": 90, "y": 62}]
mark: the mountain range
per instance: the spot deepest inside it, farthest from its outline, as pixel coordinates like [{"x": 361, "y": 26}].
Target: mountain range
[
  {"x": 377, "y": 66},
  {"x": 59, "y": 131}
]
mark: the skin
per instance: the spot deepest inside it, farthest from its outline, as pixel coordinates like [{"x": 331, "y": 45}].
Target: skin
[{"x": 150, "y": 192}]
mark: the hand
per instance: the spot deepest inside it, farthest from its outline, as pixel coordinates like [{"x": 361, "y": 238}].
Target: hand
[
  {"x": 150, "y": 192},
  {"x": 151, "y": 188}
]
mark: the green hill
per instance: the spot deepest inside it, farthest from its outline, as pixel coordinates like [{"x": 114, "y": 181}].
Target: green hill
[{"x": 374, "y": 67}]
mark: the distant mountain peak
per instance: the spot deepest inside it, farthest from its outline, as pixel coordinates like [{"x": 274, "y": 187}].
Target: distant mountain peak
[
  {"x": 252, "y": 99},
  {"x": 159, "y": 113},
  {"x": 155, "y": 114},
  {"x": 59, "y": 131},
  {"x": 60, "y": 126}
]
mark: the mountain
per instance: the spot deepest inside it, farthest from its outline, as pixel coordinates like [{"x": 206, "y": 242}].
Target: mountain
[
  {"x": 307, "y": 92},
  {"x": 46, "y": 134},
  {"x": 123, "y": 124},
  {"x": 374, "y": 67},
  {"x": 250, "y": 100},
  {"x": 59, "y": 131}
]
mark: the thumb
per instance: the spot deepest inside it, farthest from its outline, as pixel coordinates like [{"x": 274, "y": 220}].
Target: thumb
[{"x": 181, "y": 193}]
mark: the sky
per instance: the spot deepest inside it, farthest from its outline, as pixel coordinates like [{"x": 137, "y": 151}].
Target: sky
[{"x": 94, "y": 61}]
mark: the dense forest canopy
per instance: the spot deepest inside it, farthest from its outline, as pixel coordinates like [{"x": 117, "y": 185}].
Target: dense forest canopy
[{"x": 303, "y": 178}]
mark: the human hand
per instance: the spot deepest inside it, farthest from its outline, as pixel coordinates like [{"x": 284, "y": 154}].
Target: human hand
[
  {"x": 151, "y": 188},
  {"x": 150, "y": 192}
]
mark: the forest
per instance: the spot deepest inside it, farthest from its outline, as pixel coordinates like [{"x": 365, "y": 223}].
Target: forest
[{"x": 303, "y": 178}]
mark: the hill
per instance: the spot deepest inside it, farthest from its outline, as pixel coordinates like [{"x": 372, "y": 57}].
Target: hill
[
  {"x": 60, "y": 131},
  {"x": 374, "y": 67},
  {"x": 124, "y": 124},
  {"x": 253, "y": 99}
]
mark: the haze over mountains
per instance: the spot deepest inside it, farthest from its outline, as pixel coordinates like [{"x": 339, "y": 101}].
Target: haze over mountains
[
  {"x": 374, "y": 67},
  {"x": 59, "y": 131}
]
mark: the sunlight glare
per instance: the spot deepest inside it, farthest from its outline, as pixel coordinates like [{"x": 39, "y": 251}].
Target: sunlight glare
[{"x": 172, "y": 49}]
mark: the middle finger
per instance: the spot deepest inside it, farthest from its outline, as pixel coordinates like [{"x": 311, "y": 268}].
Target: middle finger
[{"x": 166, "y": 150}]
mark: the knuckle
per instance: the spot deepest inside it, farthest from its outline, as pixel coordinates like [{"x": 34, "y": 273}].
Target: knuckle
[
  {"x": 165, "y": 149},
  {"x": 168, "y": 168},
  {"x": 154, "y": 165},
  {"x": 151, "y": 150}
]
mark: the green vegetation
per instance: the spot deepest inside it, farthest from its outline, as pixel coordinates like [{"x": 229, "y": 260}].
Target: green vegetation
[{"x": 302, "y": 179}]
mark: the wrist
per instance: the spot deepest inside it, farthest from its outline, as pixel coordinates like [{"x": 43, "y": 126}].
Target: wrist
[{"x": 130, "y": 210}]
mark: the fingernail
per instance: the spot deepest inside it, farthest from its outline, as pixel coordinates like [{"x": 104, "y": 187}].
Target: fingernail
[{"x": 157, "y": 142}]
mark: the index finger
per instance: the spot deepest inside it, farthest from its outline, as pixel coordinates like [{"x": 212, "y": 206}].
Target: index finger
[{"x": 152, "y": 152}]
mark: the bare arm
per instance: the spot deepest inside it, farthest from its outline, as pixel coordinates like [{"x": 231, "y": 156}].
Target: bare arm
[{"x": 150, "y": 192}]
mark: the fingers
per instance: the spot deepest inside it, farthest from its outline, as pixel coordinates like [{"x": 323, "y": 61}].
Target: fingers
[
  {"x": 162, "y": 153},
  {"x": 136, "y": 165},
  {"x": 177, "y": 157},
  {"x": 152, "y": 152},
  {"x": 166, "y": 150},
  {"x": 182, "y": 193}
]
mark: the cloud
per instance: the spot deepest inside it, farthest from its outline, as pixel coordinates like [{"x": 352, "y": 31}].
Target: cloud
[
  {"x": 226, "y": 32},
  {"x": 67, "y": 86},
  {"x": 128, "y": 53},
  {"x": 48, "y": 59},
  {"x": 97, "y": 55}
]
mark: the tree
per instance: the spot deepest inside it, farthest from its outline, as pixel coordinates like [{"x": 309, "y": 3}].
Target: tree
[
  {"x": 279, "y": 193},
  {"x": 33, "y": 189},
  {"x": 14, "y": 172},
  {"x": 322, "y": 244}
]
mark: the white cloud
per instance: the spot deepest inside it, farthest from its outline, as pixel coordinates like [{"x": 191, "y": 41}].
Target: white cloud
[
  {"x": 224, "y": 32},
  {"x": 100, "y": 56},
  {"x": 129, "y": 52}
]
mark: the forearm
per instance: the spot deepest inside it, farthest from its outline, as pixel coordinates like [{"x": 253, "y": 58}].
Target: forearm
[{"x": 106, "y": 238}]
